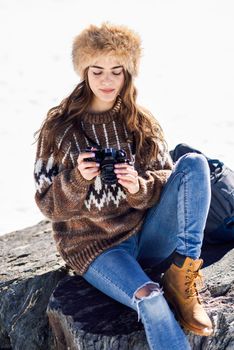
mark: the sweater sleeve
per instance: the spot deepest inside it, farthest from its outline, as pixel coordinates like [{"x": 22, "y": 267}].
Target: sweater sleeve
[
  {"x": 152, "y": 182},
  {"x": 60, "y": 188}
]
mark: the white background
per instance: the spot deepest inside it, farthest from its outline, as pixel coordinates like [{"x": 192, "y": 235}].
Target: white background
[{"x": 186, "y": 78}]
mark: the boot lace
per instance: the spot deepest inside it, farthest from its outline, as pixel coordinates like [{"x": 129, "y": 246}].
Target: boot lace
[{"x": 194, "y": 281}]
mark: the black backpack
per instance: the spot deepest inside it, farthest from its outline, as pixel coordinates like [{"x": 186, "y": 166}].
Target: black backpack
[{"x": 220, "y": 221}]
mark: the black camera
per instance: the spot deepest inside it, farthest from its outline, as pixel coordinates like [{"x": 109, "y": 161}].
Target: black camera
[{"x": 107, "y": 158}]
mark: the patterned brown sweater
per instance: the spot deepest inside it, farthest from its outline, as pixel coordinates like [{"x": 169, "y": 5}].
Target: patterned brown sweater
[{"x": 88, "y": 216}]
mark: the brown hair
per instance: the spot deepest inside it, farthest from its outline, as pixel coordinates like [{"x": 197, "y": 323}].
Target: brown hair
[{"x": 138, "y": 120}]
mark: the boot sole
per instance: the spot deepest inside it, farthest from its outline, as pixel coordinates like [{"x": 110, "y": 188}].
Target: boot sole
[{"x": 185, "y": 325}]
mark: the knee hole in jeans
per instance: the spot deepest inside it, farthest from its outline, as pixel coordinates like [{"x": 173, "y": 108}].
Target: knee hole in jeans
[{"x": 146, "y": 291}]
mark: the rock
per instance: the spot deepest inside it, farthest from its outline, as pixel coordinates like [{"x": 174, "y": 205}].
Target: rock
[
  {"x": 218, "y": 297},
  {"x": 34, "y": 279},
  {"x": 30, "y": 270}
]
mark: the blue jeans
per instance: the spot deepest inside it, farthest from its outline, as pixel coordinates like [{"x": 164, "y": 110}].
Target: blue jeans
[{"x": 175, "y": 223}]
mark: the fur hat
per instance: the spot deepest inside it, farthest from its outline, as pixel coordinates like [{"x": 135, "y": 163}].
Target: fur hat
[{"x": 118, "y": 40}]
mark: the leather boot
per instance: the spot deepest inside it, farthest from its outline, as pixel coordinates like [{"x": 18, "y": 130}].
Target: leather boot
[{"x": 180, "y": 290}]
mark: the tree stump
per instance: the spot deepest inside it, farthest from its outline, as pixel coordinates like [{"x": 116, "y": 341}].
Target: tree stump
[{"x": 82, "y": 317}]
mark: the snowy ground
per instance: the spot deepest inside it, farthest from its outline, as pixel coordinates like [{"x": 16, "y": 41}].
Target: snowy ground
[{"x": 186, "y": 78}]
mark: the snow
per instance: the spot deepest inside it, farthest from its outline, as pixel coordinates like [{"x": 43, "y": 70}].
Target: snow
[{"x": 186, "y": 78}]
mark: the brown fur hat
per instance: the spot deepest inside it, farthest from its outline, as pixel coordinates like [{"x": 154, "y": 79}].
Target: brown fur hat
[{"x": 118, "y": 40}]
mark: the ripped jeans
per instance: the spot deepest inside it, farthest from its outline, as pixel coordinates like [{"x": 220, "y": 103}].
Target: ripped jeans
[{"x": 175, "y": 223}]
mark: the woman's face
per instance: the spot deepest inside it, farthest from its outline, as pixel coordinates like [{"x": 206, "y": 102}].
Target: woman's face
[{"x": 106, "y": 79}]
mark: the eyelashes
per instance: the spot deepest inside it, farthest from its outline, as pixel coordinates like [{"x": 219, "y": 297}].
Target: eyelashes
[{"x": 99, "y": 73}]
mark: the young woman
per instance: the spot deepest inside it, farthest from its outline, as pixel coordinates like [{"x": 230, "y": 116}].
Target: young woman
[{"x": 105, "y": 179}]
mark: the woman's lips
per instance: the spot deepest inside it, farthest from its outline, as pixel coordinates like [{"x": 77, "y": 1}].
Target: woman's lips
[{"x": 107, "y": 91}]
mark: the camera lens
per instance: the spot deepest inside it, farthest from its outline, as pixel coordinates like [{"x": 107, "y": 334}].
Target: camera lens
[
  {"x": 108, "y": 158},
  {"x": 107, "y": 174}
]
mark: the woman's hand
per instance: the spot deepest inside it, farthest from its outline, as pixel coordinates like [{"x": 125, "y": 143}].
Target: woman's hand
[
  {"x": 88, "y": 170},
  {"x": 128, "y": 177}
]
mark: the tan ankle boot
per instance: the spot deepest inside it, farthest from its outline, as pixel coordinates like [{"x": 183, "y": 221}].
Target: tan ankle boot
[{"x": 180, "y": 290}]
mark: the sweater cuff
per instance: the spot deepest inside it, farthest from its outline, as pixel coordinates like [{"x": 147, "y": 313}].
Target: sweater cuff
[
  {"x": 147, "y": 191},
  {"x": 136, "y": 199},
  {"x": 81, "y": 180}
]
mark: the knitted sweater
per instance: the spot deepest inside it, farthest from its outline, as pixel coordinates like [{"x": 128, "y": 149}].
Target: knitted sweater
[{"x": 89, "y": 217}]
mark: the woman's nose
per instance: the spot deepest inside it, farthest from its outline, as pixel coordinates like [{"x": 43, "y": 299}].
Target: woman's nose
[{"x": 106, "y": 79}]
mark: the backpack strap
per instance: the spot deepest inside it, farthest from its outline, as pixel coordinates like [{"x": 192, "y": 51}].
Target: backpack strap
[
  {"x": 216, "y": 168},
  {"x": 229, "y": 222}
]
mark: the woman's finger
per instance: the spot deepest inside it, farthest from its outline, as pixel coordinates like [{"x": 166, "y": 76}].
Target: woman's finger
[
  {"x": 85, "y": 155},
  {"x": 127, "y": 177},
  {"x": 88, "y": 165},
  {"x": 126, "y": 171}
]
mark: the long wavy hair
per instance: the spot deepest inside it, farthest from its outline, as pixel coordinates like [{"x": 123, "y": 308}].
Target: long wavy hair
[{"x": 139, "y": 121}]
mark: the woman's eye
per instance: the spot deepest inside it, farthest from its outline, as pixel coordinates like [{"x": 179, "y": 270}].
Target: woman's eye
[
  {"x": 117, "y": 73},
  {"x": 97, "y": 73}
]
